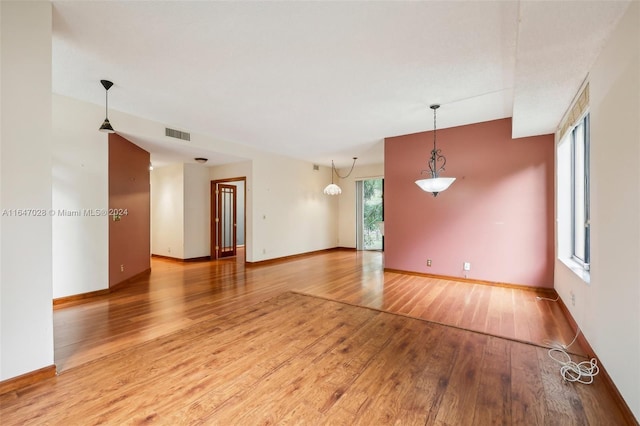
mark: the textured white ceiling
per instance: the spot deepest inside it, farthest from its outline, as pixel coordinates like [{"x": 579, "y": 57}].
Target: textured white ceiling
[{"x": 328, "y": 80}]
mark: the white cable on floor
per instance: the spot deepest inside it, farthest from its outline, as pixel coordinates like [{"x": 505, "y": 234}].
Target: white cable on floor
[
  {"x": 582, "y": 372},
  {"x": 546, "y": 298}
]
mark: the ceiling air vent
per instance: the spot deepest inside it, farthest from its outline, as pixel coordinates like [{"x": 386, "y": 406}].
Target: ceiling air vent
[{"x": 173, "y": 133}]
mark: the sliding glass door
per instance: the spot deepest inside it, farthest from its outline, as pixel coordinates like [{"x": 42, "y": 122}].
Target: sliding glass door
[{"x": 370, "y": 214}]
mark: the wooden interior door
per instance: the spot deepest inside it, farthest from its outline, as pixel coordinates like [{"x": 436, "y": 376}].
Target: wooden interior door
[{"x": 226, "y": 220}]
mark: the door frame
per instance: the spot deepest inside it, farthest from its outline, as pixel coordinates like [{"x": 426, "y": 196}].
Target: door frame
[{"x": 214, "y": 214}]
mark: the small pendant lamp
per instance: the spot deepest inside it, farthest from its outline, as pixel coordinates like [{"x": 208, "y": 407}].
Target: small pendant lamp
[
  {"x": 106, "y": 125},
  {"x": 332, "y": 188}
]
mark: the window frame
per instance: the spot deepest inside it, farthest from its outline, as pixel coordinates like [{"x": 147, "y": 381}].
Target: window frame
[{"x": 583, "y": 259}]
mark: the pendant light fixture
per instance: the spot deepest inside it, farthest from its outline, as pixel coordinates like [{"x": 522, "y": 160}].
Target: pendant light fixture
[
  {"x": 106, "y": 126},
  {"x": 332, "y": 188},
  {"x": 435, "y": 184}
]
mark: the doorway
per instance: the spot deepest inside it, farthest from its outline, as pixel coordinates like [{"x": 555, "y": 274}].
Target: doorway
[
  {"x": 227, "y": 217},
  {"x": 370, "y": 214}
]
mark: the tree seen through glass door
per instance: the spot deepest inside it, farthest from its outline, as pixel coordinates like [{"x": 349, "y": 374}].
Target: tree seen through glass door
[{"x": 372, "y": 213}]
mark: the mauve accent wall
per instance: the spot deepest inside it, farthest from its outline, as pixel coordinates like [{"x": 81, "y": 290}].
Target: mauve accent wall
[
  {"x": 129, "y": 188},
  {"x": 497, "y": 215}
]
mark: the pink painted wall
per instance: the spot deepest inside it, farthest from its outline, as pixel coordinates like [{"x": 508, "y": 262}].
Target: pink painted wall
[
  {"x": 498, "y": 214},
  {"x": 129, "y": 188}
]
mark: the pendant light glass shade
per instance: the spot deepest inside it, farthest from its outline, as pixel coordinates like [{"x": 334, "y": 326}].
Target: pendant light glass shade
[
  {"x": 332, "y": 189},
  {"x": 435, "y": 185}
]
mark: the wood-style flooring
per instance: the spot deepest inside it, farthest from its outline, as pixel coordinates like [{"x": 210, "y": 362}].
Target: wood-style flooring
[
  {"x": 221, "y": 343},
  {"x": 176, "y": 295}
]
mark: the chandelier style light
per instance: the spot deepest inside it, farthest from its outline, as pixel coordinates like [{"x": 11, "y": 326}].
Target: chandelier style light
[
  {"x": 332, "y": 188},
  {"x": 106, "y": 126},
  {"x": 435, "y": 184}
]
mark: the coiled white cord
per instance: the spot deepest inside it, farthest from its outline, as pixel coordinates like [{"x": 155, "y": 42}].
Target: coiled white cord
[{"x": 582, "y": 372}]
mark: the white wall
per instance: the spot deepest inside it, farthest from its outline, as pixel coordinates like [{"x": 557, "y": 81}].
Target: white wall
[
  {"x": 167, "y": 211},
  {"x": 347, "y": 200},
  {"x": 287, "y": 212},
  {"x": 80, "y": 182},
  {"x": 197, "y": 188},
  {"x": 180, "y": 211},
  {"x": 291, "y": 214},
  {"x": 26, "y": 324},
  {"x": 608, "y": 309}
]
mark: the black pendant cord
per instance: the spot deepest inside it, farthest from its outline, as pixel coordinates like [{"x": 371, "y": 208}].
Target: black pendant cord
[
  {"x": 333, "y": 167},
  {"x": 436, "y": 157},
  {"x": 434, "y": 125},
  {"x": 107, "y": 85}
]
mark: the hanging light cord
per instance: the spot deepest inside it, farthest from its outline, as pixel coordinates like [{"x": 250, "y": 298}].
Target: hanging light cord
[
  {"x": 434, "y": 130},
  {"x": 333, "y": 167}
]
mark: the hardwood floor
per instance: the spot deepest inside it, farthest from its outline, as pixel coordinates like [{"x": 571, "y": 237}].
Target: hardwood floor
[
  {"x": 176, "y": 295},
  {"x": 306, "y": 360},
  {"x": 221, "y": 343}
]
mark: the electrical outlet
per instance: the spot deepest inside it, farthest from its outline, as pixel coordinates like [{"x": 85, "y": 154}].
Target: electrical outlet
[
  {"x": 429, "y": 262},
  {"x": 573, "y": 298},
  {"x": 121, "y": 268},
  {"x": 466, "y": 266}
]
